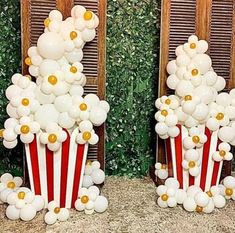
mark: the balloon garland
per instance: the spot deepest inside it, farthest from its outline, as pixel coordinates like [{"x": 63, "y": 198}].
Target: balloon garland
[
  {"x": 52, "y": 104},
  {"x": 196, "y": 102}
]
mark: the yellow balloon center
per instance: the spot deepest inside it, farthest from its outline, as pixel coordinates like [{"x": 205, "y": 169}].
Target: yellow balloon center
[
  {"x": 163, "y": 166},
  {"x": 24, "y": 129},
  {"x": 84, "y": 199},
  {"x": 1, "y": 133},
  {"x": 222, "y": 153},
  {"x": 21, "y": 195},
  {"x": 47, "y": 22},
  {"x": 73, "y": 35},
  {"x": 194, "y": 72},
  {"x": 192, "y": 45},
  {"x": 168, "y": 101},
  {"x": 25, "y": 101},
  {"x": 57, "y": 210},
  {"x": 228, "y": 192},
  {"x": 83, "y": 107},
  {"x": 188, "y": 97},
  {"x": 88, "y": 162},
  {"x": 86, "y": 136},
  {"x": 191, "y": 164},
  {"x": 11, "y": 185},
  {"x": 73, "y": 69},
  {"x": 196, "y": 139},
  {"x": 28, "y": 61},
  {"x": 220, "y": 116},
  {"x": 87, "y": 15},
  {"x": 28, "y": 76},
  {"x": 199, "y": 209},
  {"x": 164, "y": 113},
  {"x": 52, "y": 79},
  {"x": 209, "y": 193},
  {"x": 52, "y": 138},
  {"x": 164, "y": 197}
]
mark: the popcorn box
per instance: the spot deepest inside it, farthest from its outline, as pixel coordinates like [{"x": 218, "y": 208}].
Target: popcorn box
[
  {"x": 210, "y": 170},
  {"x": 57, "y": 175}
]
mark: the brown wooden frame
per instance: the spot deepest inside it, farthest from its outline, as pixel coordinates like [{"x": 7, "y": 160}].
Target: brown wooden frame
[
  {"x": 203, "y": 29},
  {"x": 95, "y": 82}
]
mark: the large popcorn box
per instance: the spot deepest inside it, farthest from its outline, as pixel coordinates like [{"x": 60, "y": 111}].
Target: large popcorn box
[
  {"x": 210, "y": 170},
  {"x": 57, "y": 175}
]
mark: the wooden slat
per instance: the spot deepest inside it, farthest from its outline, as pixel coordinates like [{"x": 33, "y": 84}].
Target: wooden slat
[{"x": 34, "y": 12}]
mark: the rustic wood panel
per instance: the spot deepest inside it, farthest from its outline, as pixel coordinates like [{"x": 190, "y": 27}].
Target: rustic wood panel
[
  {"x": 33, "y": 13},
  {"x": 212, "y": 20}
]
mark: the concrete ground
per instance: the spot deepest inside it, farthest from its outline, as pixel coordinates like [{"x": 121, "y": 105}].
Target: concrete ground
[{"x": 132, "y": 208}]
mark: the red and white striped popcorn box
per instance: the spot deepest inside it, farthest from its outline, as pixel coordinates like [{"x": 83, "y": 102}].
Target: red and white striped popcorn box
[
  {"x": 57, "y": 175},
  {"x": 210, "y": 170}
]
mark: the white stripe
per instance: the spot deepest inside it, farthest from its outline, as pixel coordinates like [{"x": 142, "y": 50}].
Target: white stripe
[
  {"x": 219, "y": 172},
  {"x": 200, "y": 151},
  {"x": 42, "y": 168},
  {"x": 29, "y": 165},
  {"x": 213, "y": 146},
  {"x": 185, "y": 172},
  {"x": 71, "y": 168},
  {"x": 57, "y": 174},
  {"x": 172, "y": 143}
]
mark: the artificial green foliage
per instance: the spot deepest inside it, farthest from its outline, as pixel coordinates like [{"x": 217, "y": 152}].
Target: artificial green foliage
[
  {"x": 132, "y": 49},
  {"x": 10, "y": 160}
]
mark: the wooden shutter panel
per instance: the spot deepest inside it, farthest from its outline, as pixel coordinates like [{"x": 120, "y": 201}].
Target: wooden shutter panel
[
  {"x": 212, "y": 20},
  {"x": 33, "y": 13}
]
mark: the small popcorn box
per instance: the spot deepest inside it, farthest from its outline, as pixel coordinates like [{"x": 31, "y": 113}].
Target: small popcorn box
[
  {"x": 210, "y": 170},
  {"x": 57, "y": 175}
]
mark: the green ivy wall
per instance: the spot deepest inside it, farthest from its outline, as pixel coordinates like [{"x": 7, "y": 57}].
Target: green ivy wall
[{"x": 132, "y": 49}]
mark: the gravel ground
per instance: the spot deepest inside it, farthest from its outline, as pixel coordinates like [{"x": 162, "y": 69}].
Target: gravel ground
[{"x": 132, "y": 208}]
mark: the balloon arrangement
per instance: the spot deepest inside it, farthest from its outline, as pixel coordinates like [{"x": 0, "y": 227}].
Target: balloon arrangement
[
  {"x": 55, "y": 103},
  {"x": 196, "y": 103}
]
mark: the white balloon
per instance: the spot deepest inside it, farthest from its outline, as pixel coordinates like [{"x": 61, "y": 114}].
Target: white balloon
[
  {"x": 98, "y": 176},
  {"x": 229, "y": 181},
  {"x": 223, "y": 99},
  {"x": 92, "y": 99},
  {"x": 172, "y": 183},
  {"x": 97, "y": 116},
  {"x": 210, "y": 77},
  {"x": 46, "y": 113},
  {"x": 63, "y": 103},
  {"x": 76, "y": 90},
  {"x": 13, "y": 91},
  {"x": 48, "y": 67},
  {"x": 226, "y": 134},
  {"x": 101, "y": 204},
  {"x": 55, "y": 15},
  {"x": 10, "y": 123},
  {"x": 201, "y": 112},
  {"x": 173, "y": 131},
  {"x": 12, "y": 212},
  {"x": 172, "y": 81},
  {"x": 184, "y": 88},
  {"x": 189, "y": 204},
  {"x": 38, "y": 202},
  {"x": 63, "y": 215},
  {"x": 43, "y": 98},
  {"x": 65, "y": 121},
  {"x": 180, "y": 196},
  {"x": 171, "y": 67},
  {"x": 205, "y": 93},
  {"x": 161, "y": 128},
  {"x": 10, "y": 145},
  {"x": 95, "y": 165},
  {"x": 87, "y": 181},
  {"x": 219, "y": 201},
  {"x": 75, "y": 56},
  {"x": 50, "y": 218},
  {"x": 105, "y": 105},
  {"x": 50, "y": 45},
  {"x": 9, "y": 134},
  {"x": 203, "y": 62},
  {"x": 220, "y": 83},
  {"x": 88, "y": 34},
  {"x": 201, "y": 199},
  {"x": 28, "y": 212}
]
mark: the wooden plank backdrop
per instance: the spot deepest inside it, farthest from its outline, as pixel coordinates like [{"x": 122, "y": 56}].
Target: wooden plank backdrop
[
  {"x": 212, "y": 20},
  {"x": 33, "y": 13}
]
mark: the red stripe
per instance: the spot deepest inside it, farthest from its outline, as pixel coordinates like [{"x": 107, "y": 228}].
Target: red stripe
[
  {"x": 191, "y": 180},
  {"x": 35, "y": 167},
  {"x": 178, "y": 157},
  {"x": 205, "y": 159},
  {"x": 215, "y": 169},
  {"x": 50, "y": 174},
  {"x": 77, "y": 172},
  {"x": 169, "y": 156},
  {"x": 64, "y": 170}
]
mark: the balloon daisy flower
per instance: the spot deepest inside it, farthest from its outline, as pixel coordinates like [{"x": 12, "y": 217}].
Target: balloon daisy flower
[
  {"x": 189, "y": 103},
  {"x": 74, "y": 41},
  {"x": 223, "y": 153},
  {"x": 55, "y": 213},
  {"x": 26, "y": 129},
  {"x": 218, "y": 199},
  {"x": 193, "y": 75},
  {"x": 33, "y": 61},
  {"x": 171, "y": 102},
  {"x": 53, "y": 136},
  {"x": 73, "y": 73},
  {"x": 93, "y": 174},
  {"x": 161, "y": 171},
  {"x": 191, "y": 162},
  {"x": 8, "y": 184},
  {"x": 87, "y": 134},
  {"x": 195, "y": 139},
  {"x": 53, "y": 22},
  {"x": 227, "y": 189},
  {"x": 21, "y": 81},
  {"x": 54, "y": 84},
  {"x": 195, "y": 46}
]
